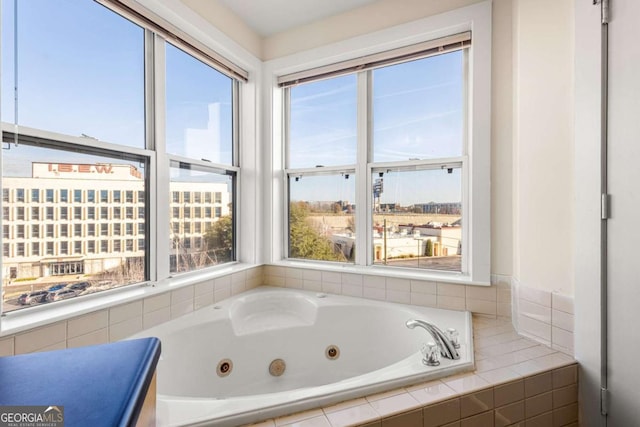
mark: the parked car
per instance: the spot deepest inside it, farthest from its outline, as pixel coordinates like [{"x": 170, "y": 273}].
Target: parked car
[
  {"x": 56, "y": 287},
  {"x": 79, "y": 287},
  {"x": 61, "y": 294},
  {"x": 31, "y": 298}
]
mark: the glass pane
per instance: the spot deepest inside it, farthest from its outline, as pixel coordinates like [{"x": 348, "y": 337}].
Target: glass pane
[
  {"x": 215, "y": 232},
  {"x": 418, "y": 109},
  {"x": 199, "y": 109},
  {"x": 321, "y": 217},
  {"x": 323, "y": 123},
  {"x": 417, "y": 218},
  {"x": 80, "y": 70},
  {"x": 40, "y": 255}
]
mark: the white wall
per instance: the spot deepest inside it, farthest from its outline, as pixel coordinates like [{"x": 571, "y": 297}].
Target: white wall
[{"x": 543, "y": 202}]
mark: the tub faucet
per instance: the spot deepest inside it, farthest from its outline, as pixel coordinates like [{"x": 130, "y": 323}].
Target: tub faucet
[{"x": 445, "y": 345}]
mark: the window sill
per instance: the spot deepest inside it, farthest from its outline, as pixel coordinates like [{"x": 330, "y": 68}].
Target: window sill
[
  {"x": 379, "y": 270},
  {"x": 34, "y": 317}
]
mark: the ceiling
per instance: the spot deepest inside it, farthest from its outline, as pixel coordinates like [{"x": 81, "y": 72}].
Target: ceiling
[{"x": 268, "y": 17}]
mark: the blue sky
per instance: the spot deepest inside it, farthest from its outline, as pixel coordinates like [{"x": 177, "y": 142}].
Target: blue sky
[
  {"x": 81, "y": 71},
  {"x": 417, "y": 114}
]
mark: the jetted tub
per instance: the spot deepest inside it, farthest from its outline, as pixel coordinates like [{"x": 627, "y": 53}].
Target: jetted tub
[{"x": 216, "y": 362}]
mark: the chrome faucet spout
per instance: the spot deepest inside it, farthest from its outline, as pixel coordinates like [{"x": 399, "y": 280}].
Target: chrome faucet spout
[{"x": 442, "y": 341}]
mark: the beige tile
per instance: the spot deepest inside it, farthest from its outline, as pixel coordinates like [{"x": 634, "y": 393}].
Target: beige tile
[
  {"x": 482, "y": 420},
  {"x": 298, "y": 416},
  {"x": 503, "y": 295},
  {"x": 157, "y": 302},
  {"x": 565, "y": 415},
  {"x": 125, "y": 329},
  {"x": 565, "y": 396},
  {"x": 331, "y": 277},
  {"x": 507, "y": 347},
  {"x": 181, "y": 308},
  {"x": 503, "y": 309},
  {"x": 372, "y": 424},
  {"x": 320, "y": 421},
  {"x": 565, "y": 376},
  {"x": 57, "y": 346},
  {"x": 424, "y": 300},
  {"x": 377, "y": 282},
  {"x": 454, "y": 424},
  {"x": 475, "y": 403},
  {"x": 534, "y": 327},
  {"x": 561, "y": 338},
  {"x": 538, "y": 404},
  {"x": 204, "y": 300},
  {"x": 508, "y": 393},
  {"x": 562, "y": 303},
  {"x": 296, "y": 273},
  {"x": 451, "y": 303},
  {"x": 554, "y": 360},
  {"x": 400, "y": 297},
  {"x": 274, "y": 270},
  {"x": 431, "y": 392},
  {"x": 312, "y": 285},
  {"x": 268, "y": 280},
  {"x": 352, "y": 290},
  {"x": 6, "y": 346},
  {"x": 449, "y": 290},
  {"x": 345, "y": 405},
  {"x": 289, "y": 282},
  {"x": 352, "y": 416},
  {"x": 203, "y": 288},
  {"x": 221, "y": 294},
  {"x": 481, "y": 307},
  {"x": 424, "y": 287},
  {"x": 509, "y": 414},
  {"x": 493, "y": 330},
  {"x": 394, "y": 405},
  {"x": 182, "y": 294},
  {"x": 315, "y": 275},
  {"x": 385, "y": 394},
  {"x": 352, "y": 279},
  {"x": 157, "y": 317},
  {"x": 241, "y": 286},
  {"x": 375, "y": 293},
  {"x": 538, "y": 384},
  {"x": 100, "y": 336},
  {"x": 466, "y": 383},
  {"x": 241, "y": 277},
  {"x": 481, "y": 293},
  {"x": 441, "y": 413},
  {"x": 535, "y": 311},
  {"x": 398, "y": 285},
  {"x": 331, "y": 287},
  {"x": 562, "y": 320},
  {"x": 527, "y": 368},
  {"x": 40, "y": 338},
  {"x": 124, "y": 312},
  {"x": 409, "y": 419},
  {"x": 499, "y": 376},
  {"x": 88, "y": 323},
  {"x": 544, "y": 420},
  {"x": 487, "y": 341},
  {"x": 537, "y": 296}
]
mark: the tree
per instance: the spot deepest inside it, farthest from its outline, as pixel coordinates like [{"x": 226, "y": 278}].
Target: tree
[
  {"x": 219, "y": 239},
  {"x": 429, "y": 248},
  {"x": 304, "y": 240}
]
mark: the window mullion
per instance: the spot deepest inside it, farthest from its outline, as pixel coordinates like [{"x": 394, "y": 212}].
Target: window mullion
[
  {"x": 363, "y": 178},
  {"x": 159, "y": 194}
]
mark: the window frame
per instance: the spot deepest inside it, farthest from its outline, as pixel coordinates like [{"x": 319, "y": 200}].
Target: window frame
[{"x": 476, "y": 186}]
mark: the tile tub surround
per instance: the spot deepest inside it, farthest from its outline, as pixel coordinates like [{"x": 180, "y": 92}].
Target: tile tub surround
[
  {"x": 544, "y": 316},
  {"x": 121, "y": 321},
  {"x": 517, "y": 382}
]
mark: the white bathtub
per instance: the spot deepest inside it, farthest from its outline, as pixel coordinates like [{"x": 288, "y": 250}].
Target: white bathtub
[{"x": 377, "y": 352}]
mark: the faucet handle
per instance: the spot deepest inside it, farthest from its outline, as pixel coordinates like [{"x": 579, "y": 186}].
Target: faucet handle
[
  {"x": 431, "y": 354},
  {"x": 454, "y": 337}
]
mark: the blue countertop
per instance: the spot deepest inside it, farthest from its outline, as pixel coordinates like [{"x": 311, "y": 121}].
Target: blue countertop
[{"x": 102, "y": 385}]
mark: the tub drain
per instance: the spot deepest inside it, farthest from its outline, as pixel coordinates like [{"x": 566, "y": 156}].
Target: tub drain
[
  {"x": 277, "y": 367},
  {"x": 332, "y": 352},
  {"x": 225, "y": 366}
]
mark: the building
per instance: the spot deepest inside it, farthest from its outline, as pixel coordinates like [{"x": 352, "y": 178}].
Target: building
[{"x": 87, "y": 219}]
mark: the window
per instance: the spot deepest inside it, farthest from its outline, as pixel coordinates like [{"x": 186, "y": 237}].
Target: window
[
  {"x": 398, "y": 122},
  {"x": 5, "y": 250},
  {"x": 20, "y": 249},
  {"x": 218, "y": 197},
  {"x": 35, "y": 248},
  {"x": 197, "y": 198},
  {"x": 20, "y": 231},
  {"x": 83, "y": 143},
  {"x": 5, "y": 231},
  {"x": 201, "y": 143},
  {"x": 5, "y": 194}
]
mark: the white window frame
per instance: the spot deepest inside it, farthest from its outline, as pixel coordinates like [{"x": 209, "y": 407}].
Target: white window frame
[{"x": 476, "y": 167}]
